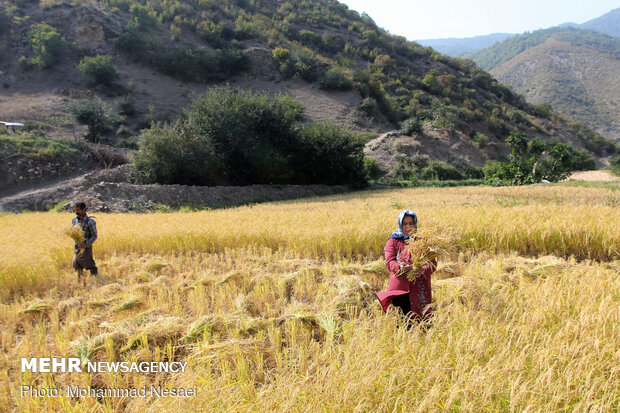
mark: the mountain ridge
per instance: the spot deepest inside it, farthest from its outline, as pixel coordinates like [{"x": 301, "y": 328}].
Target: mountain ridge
[
  {"x": 608, "y": 23},
  {"x": 574, "y": 70}
]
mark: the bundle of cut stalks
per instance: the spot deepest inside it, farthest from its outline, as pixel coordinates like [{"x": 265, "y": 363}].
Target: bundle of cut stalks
[
  {"x": 76, "y": 234},
  {"x": 425, "y": 248}
]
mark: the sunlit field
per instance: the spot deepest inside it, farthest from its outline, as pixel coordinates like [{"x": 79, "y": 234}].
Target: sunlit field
[{"x": 272, "y": 305}]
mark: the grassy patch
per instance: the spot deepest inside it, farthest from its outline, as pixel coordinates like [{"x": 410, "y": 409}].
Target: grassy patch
[
  {"x": 436, "y": 183},
  {"x": 34, "y": 147},
  {"x": 59, "y": 207},
  {"x": 614, "y": 186}
]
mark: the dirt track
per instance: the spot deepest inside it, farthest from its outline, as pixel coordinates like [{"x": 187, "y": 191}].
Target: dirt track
[{"x": 604, "y": 176}]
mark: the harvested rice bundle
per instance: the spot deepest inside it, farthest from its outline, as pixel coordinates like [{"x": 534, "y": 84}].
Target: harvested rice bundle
[
  {"x": 425, "y": 248},
  {"x": 76, "y": 234}
]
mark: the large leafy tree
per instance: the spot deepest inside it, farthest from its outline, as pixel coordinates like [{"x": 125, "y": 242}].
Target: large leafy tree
[{"x": 533, "y": 161}]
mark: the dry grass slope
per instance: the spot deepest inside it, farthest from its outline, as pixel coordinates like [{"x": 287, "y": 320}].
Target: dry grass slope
[{"x": 273, "y": 306}]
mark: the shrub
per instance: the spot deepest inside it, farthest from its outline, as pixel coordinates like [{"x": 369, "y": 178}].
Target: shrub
[
  {"x": 232, "y": 61},
  {"x": 127, "y": 105},
  {"x": 411, "y": 126},
  {"x": 181, "y": 61},
  {"x": 422, "y": 167},
  {"x": 98, "y": 69},
  {"x": 305, "y": 71},
  {"x": 334, "y": 79},
  {"x": 175, "y": 32},
  {"x": 594, "y": 142},
  {"x": 471, "y": 172},
  {"x": 331, "y": 155},
  {"x": 441, "y": 171},
  {"x": 443, "y": 117},
  {"x": 480, "y": 140},
  {"x": 141, "y": 15},
  {"x": 47, "y": 44},
  {"x": 309, "y": 38},
  {"x": 211, "y": 32},
  {"x": 368, "y": 106},
  {"x": 168, "y": 156},
  {"x": 615, "y": 165},
  {"x": 130, "y": 41},
  {"x": 541, "y": 110},
  {"x": 281, "y": 56},
  {"x": 92, "y": 113},
  {"x": 373, "y": 169},
  {"x": 496, "y": 173},
  {"x": 230, "y": 136}
]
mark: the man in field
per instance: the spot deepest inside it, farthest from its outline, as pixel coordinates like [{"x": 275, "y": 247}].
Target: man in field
[{"x": 83, "y": 252}]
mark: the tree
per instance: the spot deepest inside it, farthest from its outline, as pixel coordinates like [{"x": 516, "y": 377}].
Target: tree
[
  {"x": 533, "y": 161},
  {"x": 47, "y": 44},
  {"x": 92, "y": 113}
]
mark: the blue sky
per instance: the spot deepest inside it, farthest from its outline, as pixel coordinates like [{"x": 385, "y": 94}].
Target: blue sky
[{"x": 429, "y": 19}]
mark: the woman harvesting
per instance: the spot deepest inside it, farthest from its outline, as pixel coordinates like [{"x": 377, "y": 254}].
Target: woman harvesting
[{"x": 410, "y": 278}]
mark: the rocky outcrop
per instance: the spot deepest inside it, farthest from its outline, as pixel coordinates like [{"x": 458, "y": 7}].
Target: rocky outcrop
[
  {"x": 85, "y": 25},
  {"x": 262, "y": 65}
]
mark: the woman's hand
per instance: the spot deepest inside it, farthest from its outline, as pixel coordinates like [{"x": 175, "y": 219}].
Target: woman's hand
[{"x": 405, "y": 268}]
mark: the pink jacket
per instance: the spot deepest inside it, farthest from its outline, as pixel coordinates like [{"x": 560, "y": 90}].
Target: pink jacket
[{"x": 419, "y": 290}]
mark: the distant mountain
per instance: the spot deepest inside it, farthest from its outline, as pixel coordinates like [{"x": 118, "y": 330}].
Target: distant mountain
[
  {"x": 577, "y": 71},
  {"x": 503, "y": 51},
  {"x": 459, "y": 47},
  {"x": 608, "y": 23}
]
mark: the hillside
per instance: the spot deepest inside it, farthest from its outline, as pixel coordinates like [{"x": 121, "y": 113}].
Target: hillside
[
  {"x": 578, "y": 81},
  {"x": 338, "y": 64},
  {"x": 576, "y": 71}
]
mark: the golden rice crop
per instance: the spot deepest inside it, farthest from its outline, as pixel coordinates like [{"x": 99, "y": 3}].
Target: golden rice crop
[
  {"x": 76, "y": 233},
  {"x": 563, "y": 221},
  {"x": 273, "y": 305},
  {"x": 426, "y": 247}
]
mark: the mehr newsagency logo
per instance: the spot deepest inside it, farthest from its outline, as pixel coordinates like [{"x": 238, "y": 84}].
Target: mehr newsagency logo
[{"x": 75, "y": 365}]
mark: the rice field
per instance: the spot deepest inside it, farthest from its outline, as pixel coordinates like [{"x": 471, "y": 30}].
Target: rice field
[{"x": 272, "y": 306}]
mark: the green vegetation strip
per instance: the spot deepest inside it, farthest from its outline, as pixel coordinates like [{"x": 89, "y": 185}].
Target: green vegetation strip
[{"x": 33, "y": 147}]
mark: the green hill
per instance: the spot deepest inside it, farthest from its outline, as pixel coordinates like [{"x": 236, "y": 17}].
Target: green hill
[
  {"x": 576, "y": 71},
  {"x": 501, "y": 52},
  {"x": 340, "y": 65}
]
